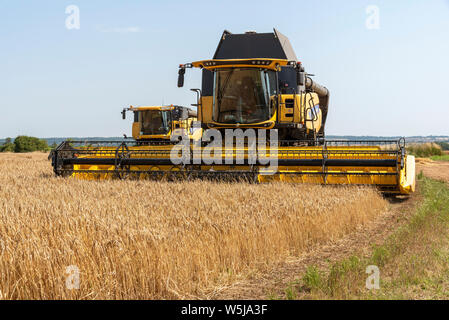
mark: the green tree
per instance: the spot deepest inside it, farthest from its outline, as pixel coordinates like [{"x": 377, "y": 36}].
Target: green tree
[
  {"x": 8, "y": 146},
  {"x": 444, "y": 145},
  {"x": 29, "y": 144}
]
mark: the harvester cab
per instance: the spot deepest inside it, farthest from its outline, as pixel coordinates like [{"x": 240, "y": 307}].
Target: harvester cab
[
  {"x": 256, "y": 81},
  {"x": 159, "y": 123}
]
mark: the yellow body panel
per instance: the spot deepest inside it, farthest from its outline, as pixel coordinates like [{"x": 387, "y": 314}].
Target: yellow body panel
[
  {"x": 300, "y": 108},
  {"x": 205, "y": 110},
  {"x": 160, "y": 108},
  {"x": 136, "y": 130},
  {"x": 272, "y": 64},
  {"x": 407, "y": 176}
]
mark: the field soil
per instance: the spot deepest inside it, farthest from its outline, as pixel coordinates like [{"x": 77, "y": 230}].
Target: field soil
[{"x": 438, "y": 170}]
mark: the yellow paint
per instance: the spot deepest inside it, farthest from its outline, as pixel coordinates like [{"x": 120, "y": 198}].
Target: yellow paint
[
  {"x": 274, "y": 64},
  {"x": 205, "y": 112}
]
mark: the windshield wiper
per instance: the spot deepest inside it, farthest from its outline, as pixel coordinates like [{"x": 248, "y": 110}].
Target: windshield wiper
[{"x": 225, "y": 84}]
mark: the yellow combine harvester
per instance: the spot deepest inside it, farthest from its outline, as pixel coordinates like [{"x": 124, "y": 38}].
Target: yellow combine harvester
[
  {"x": 160, "y": 123},
  {"x": 152, "y": 130},
  {"x": 253, "y": 87}
]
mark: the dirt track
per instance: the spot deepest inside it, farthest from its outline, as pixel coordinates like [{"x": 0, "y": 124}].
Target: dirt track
[{"x": 438, "y": 170}]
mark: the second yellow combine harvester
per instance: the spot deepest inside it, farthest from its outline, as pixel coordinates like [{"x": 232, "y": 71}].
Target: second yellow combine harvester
[
  {"x": 158, "y": 124},
  {"x": 261, "y": 117}
]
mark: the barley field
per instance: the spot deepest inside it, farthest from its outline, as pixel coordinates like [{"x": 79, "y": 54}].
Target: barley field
[{"x": 157, "y": 240}]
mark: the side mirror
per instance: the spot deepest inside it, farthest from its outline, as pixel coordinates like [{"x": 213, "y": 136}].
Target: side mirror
[
  {"x": 181, "y": 73},
  {"x": 124, "y": 114}
]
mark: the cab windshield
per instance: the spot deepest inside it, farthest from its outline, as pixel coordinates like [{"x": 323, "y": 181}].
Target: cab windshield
[
  {"x": 243, "y": 95},
  {"x": 154, "y": 122}
]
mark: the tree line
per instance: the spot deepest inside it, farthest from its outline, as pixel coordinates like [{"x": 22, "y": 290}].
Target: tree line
[{"x": 25, "y": 144}]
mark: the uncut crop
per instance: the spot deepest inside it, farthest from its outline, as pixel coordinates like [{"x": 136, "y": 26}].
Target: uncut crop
[{"x": 157, "y": 240}]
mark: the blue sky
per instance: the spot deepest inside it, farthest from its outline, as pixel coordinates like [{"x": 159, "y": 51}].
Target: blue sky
[{"x": 60, "y": 82}]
